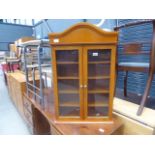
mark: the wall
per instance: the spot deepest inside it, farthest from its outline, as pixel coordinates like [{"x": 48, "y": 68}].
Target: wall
[
  {"x": 11, "y": 32},
  {"x": 108, "y": 23},
  {"x": 59, "y": 25}
]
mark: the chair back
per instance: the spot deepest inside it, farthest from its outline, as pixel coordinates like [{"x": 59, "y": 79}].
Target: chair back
[
  {"x": 132, "y": 48},
  {"x": 19, "y": 41},
  {"x": 141, "y": 48}
]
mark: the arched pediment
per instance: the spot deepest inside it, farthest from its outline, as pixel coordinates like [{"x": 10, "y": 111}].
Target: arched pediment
[{"x": 83, "y": 33}]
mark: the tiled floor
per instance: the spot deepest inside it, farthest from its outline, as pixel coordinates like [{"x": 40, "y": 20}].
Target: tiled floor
[{"x": 10, "y": 121}]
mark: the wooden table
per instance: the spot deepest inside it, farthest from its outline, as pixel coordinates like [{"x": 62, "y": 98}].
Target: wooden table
[{"x": 41, "y": 120}]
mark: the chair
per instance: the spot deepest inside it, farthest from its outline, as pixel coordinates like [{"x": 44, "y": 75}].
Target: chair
[
  {"x": 13, "y": 58},
  {"x": 136, "y": 49},
  {"x": 18, "y": 53}
]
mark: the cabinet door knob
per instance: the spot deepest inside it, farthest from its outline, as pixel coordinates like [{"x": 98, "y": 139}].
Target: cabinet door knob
[
  {"x": 81, "y": 86},
  {"x": 85, "y": 86}
]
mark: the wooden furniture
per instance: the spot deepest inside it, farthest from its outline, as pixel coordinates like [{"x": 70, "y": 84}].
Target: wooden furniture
[
  {"x": 133, "y": 124},
  {"x": 39, "y": 107},
  {"x": 12, "y": 47},
  {"x": 6, "y": 69},
  {"x": 16, "y": 87},
  {"x": 13, "y": 62},
  {"x": 136, "y": 48},
  {"x": 42, "y": 121},
  {"x": 28, "y": 113},
  {"x": 131, "y": 49},
  {"x": 10, "y": 61},
  {"x": 84, "y": 73}
]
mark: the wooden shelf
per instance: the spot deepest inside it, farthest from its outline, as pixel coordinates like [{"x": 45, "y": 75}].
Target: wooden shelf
[
  {"x": 67, "y": 77},
  {"x": 98, "y": 91},
  {"x": 69, "y": 104},
  {"x": 98, "y": 77},
  {"x": 68, "y": 91},
  {"x": 66, "y": 62},
  {"x": 99, "y": 62},
  {"x": 98, "y": 104}
]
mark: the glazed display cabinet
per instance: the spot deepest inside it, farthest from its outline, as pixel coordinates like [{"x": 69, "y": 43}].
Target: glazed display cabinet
[{"x": 84, "y": 73}]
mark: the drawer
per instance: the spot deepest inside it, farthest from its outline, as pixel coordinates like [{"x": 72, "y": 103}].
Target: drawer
[
  {"x": 54, "y": 131},
  {"x": 28, "y": 116},
  {"x": 27, "y": 105}
]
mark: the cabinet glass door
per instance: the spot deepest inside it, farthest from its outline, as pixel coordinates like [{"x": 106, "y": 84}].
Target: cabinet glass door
[
  {"x": 68, "y": 82},
  {"x": 98, "y": 82}
]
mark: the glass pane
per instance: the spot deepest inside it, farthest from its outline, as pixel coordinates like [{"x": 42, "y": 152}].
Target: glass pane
[
  {"x": 97, "y": 98},
  {"x": 98, "y": 111},
  {"x": 99, "y": 55},
  {"x": 98, "y": 104},
  {"x": 98, "y": 70},
  {"x": 98, "y": 82},
  {"x": 67, "y": 70},
  {"x": 69, "y": 105},
  {"x": 68, "y": 98},
  {"x": 67, "y": 55},
  {"x": 69, "y": 111},
  {"x": 68, "y": 82}
]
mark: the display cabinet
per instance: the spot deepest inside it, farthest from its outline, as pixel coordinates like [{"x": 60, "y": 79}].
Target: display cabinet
[{"x": 83, "y": 72}]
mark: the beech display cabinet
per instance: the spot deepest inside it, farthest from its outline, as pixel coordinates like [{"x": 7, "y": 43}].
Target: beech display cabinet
[{"x": 83, "y": 60}]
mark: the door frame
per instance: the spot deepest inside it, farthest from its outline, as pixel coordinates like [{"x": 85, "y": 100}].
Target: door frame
[
  {"x": 55, "y": 78},
  {"x": 111, "y": 80}
]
